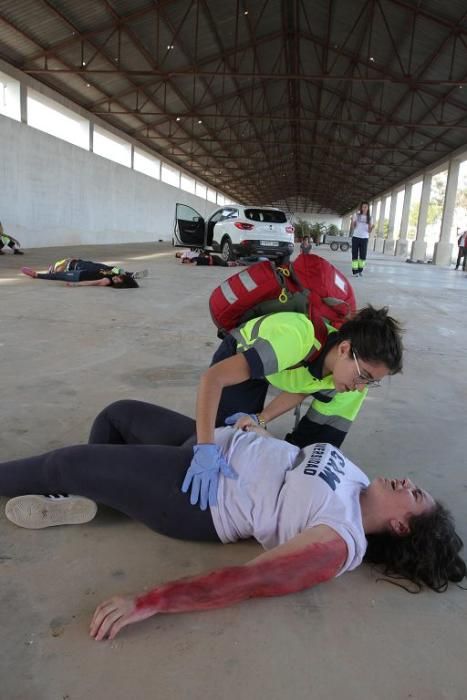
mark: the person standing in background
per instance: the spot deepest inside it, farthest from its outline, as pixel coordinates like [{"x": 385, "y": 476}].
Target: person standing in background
[
  {"x": 361, "y": 227},
  {"x": 305, "y": 245},
  {"x": 461, "y": 255}
]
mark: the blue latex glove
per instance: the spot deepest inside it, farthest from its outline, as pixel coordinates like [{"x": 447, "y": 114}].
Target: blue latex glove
[
  {"x": 203, "y": 475},
  {"x": 231, "y": 420}
]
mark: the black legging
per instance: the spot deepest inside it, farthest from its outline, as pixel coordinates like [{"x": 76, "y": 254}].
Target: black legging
[
  {"x": 78, "y": 271},
  {"x": 461, "y": 257},
  {"x": 359, "y": 248},
  {"x": 70, "y": 276},
  {"x": 211, "y": 260},
  {"x": 136, "y": 462}
]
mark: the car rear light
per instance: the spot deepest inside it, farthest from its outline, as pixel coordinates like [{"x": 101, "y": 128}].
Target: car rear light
[
  {"x": 244, "y": 227},
  {"x": 289, "y": 229}
]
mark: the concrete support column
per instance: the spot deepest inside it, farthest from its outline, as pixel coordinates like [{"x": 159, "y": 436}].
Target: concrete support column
[
  {"x": 91, "y": 136},
  {"x": 402, "y": 244},
  {"x": 132, "y": 156},
  {"x": 390, "y": 243},
  {"x": 419, "y": 246},
  {"x": 23, "y": 102},
  {"x": 379, "y": 245},
  {"x": 371, "y": 240},
  {"x": 443, "y": 249},
  {"x": 379, "y": 227},
  {"x": 402, "y": 247},
  {"x": 379, "y": 240}
]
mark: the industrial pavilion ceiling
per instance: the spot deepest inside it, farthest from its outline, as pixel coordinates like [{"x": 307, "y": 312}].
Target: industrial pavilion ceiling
[{"x": 307, "y": 104}]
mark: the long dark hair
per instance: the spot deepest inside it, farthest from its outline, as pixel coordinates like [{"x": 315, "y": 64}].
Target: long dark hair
[
  {"x": 375, "y": 337},
  {"x": 428, "y": 556},
  {"x": 128, "y": 282},
  {"x": 368, "y": 217}
]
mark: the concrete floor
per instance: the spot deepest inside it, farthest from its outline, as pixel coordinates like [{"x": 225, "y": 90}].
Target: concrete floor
[{"x": 66, "y": 353}]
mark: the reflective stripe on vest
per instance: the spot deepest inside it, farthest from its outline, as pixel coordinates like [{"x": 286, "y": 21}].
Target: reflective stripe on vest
[
  {"x": 325, "y": 395},
  {"x": 263, "y": 347},
  {"x": 338, "y": 422},
  {"x": 254, "y": 333}
]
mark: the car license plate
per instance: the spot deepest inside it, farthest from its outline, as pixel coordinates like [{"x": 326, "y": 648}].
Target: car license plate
[{"x": 273, "y": 244}]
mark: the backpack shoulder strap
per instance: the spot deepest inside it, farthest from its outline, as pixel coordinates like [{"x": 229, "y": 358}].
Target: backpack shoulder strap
[{"x": 293, "y": 276}]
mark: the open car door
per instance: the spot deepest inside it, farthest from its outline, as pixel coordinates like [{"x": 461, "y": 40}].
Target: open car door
[{"x": 189, "y": 230}]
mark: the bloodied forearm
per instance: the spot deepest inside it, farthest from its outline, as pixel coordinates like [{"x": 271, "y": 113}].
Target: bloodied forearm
[{"x": 276, "y": 576}]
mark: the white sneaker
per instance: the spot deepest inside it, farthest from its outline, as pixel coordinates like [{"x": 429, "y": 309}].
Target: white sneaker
[{"x": 36, "y": 512}]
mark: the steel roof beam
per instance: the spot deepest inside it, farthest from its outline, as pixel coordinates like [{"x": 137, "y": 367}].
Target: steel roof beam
[{"x": 104, "y": 54}]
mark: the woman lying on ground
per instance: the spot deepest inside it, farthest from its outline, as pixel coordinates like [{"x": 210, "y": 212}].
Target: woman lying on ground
[
  {"x": 86, "y": 273},
  {"x": 201, "y": 257},
  {"x": 313, "y": 510}
]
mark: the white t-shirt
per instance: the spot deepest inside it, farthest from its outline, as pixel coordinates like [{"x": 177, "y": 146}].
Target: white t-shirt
[
  {"x": 282, "y": 490},
  {"x": 189, "y": 254},
  {"x": 362, "y": 226}
]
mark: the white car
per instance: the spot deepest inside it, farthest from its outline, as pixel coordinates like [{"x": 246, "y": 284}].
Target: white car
[{"x": 235, "y": 231}]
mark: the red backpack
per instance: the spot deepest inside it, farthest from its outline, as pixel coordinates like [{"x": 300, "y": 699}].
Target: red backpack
[{"x": 310, "y": 285}]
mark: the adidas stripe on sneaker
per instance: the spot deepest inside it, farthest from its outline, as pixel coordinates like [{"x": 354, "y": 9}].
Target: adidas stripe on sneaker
[{"x": 35, "y": 512}]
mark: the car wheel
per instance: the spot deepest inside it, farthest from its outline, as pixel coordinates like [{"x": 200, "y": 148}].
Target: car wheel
[
  {"x": 344, "y": 247},
  {"x": 334, "y": 246},
  {"x": 227, "y": 250}
]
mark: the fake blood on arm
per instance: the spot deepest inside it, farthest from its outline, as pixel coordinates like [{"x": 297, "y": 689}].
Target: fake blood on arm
[{"x": 277, "y": 576}]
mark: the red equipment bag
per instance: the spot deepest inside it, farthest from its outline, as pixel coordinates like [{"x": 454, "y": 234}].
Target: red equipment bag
[
  {"x": 331, "y": 297},
  {"x": 310, "y": 285},
  {"x": 232, "y": 299}
]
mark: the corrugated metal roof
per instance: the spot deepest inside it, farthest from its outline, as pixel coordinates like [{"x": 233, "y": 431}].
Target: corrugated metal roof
[{"x": 317, "y": 103}]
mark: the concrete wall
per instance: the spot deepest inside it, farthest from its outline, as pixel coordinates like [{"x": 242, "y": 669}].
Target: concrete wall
[{"x": 53, "y": 193}]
